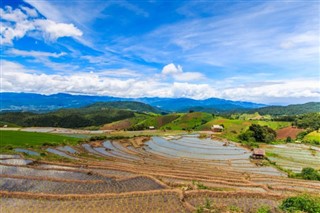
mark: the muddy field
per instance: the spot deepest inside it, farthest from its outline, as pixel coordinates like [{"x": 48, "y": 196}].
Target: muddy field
[
  {"x": 162, "y": 174},
  {"x": 291, "y": 132}
]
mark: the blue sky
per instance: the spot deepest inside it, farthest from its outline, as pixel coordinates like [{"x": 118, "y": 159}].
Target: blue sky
[{"x": 261, "y": 51}]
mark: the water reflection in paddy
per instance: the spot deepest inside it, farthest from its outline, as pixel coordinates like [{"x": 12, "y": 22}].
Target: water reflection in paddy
[
  {"x": 215, "y": 152},
  {"x": 29, "y": 152},
  {"x": 207, "y": 151}
]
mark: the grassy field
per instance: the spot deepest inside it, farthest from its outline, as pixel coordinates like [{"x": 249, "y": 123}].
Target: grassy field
[
  {"x": 159, "y": 121},
  {"x": 12, "y": 139},
  {"x": 312, "y": 137},
  {"x": 189, "y": 121},
  {"x": 232, "y": 128}
]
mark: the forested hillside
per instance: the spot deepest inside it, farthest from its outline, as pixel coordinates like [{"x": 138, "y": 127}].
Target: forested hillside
[
  {"x": 290, "y": 109},
  {"x": 68, "y": 118}
]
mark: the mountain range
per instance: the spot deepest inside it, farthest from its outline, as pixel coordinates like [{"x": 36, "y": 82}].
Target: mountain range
[{"x": 38, "y": 102}]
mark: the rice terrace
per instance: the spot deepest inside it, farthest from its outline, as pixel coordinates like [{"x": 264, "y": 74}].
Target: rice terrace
[
  {"x": 54, "y": 169},
  {"x": 152, "y": 106}
]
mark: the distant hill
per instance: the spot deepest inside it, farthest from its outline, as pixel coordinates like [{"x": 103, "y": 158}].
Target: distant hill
[
  {"x": 68, "y": 118},
  {"x": 37, "y": 102},
  {"x": 295, "y": 109},
  {"x": 129, "y": 105}
]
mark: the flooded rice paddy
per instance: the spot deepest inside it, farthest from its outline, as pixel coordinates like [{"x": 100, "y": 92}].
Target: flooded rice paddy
[
  {"x": 29, "y": 152},
  {"x": 295, "y": 156}
]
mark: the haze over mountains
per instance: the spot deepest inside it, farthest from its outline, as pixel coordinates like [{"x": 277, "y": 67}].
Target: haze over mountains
[
  {"x": 42, "y": 103},
  {"x": 37, "y": 102}
]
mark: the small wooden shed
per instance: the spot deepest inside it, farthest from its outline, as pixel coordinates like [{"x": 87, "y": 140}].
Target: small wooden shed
[
  {"x": 217, "y": 128},
  {"x": 258, "y": 153}
]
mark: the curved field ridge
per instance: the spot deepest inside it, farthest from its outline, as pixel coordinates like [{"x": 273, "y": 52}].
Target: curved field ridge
[{"x": 171, "y": 174}]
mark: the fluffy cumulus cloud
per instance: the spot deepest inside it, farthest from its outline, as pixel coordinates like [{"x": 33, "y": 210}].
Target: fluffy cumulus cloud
[
  {"x": 177, "y": 73},
  {"x": 16, "y": 78},
  {"x": 171, "y": 69},
  {"x": 17, "y": 23}
]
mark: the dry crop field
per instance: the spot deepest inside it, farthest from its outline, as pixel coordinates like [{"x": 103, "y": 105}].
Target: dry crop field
[{"x": 163, "y": 174}]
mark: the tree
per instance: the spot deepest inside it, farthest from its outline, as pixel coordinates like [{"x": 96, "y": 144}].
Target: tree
[
  {"x": 289, "y": 139},
  {"x": 258, "y": 133}
]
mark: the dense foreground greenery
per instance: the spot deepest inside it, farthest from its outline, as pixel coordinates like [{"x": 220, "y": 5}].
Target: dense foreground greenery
[
  {"x": 13, "y": 139},
  {"x": 307, "y": 174},
  {"x": 301, "y": 203}
]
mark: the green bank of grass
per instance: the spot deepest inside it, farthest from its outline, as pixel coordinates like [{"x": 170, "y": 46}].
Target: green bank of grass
[
  {"x": 189, "y": 121},
  {"x": 234, "y": 127},
  {"x": 14, "y": 139},
  {"x": 312, "y": 137}
]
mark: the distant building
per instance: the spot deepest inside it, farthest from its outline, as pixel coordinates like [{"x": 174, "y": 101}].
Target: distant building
[
  {"x": 258, "y": 153},
  {"x": 217, "y": 128},
  {"x": 151, "y": 127}
]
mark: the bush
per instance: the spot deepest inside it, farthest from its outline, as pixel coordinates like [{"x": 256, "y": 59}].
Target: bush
[
  {"x": 289, "y": 139},
  {"x": 310, "y": 174},
  {"x": 264, "y": 209},
  {"x": 305, "y": 203},
  {"x": 257, "y": 133},
  {"x": 97, "y": 138}
]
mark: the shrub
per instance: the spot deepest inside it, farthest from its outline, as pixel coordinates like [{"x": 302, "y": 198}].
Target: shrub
[
  {"x": 305, "y": 203},
  {"x": 289, "y": 139},
  {"x": 310, "y": 174},
  {"x": 264, "y": 209},
  {"x": 258, "y": 133}
]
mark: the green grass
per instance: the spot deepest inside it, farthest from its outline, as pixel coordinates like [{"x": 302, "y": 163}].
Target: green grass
[
  {"x": 312, "y": 137},
  {"x": 127, "y": 123},
  {"x": 13, "y": 139},
  {"x": 189, "y": 121},
  {"x": 159, "y": 121},
  {"x": 234, "y": 127}
]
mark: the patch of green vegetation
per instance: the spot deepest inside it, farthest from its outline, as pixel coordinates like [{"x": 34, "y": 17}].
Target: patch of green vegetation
[
  {"x": 275, "y": 125},
  {"x": 189, "y": 121},
  {"x": 128, "y": 105},
  {"x": 157, "y": 122},
  {"x": 310, "y": 120},
  {"x": 67, "y": 118},
  {"x": 258, "y": 133},
  {"x": 271, "y": 154},
  {"x": 207, "y": 206},
  {"x": 252, "y": 116},
  {"x": 264, "y": 209},
  {"x": 312, "y": 138},
  {"x": 296, "y": 109},
  {"x": 305, "y": 203},
  {"x": 268, "y": 162},
  {"x": 127, "y": 124},
  {"x": 3, "y": 123},
  {"x": 307, "y": 174},
  {"x": 13, "y": 139},
  {"x": 234, "y": 127}
]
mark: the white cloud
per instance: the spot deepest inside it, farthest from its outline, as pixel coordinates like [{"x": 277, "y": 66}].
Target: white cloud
[
  {"x": 11, "y": 15},
  {"x": 53, "y": 30},
  {"x": 35, "y": 54},
  {"x": 189, "y": 76},
  {"x": 177, "y": 73},
  {"x": 310, "y": 38},
  {"x": 170, "y": 69},
  {"x": 29, "y": 11},
  {"x": 17, "y": 23},
  {"x": 16, "y": 78}
]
